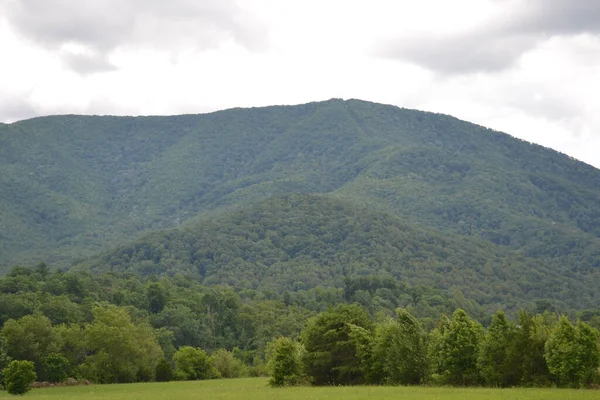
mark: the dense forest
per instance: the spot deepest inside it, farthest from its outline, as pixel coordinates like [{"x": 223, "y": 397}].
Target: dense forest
[
  {"x": 297, "y": 242},
  {"x": 116, "y": 327},
  {"x": 73, "y": 185}
]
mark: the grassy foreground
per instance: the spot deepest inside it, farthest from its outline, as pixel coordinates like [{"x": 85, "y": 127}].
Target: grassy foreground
[{"x": 256, "y": 388}]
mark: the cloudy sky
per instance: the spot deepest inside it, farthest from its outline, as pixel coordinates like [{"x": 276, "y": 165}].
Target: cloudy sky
[{"x": 530, "y": 68}]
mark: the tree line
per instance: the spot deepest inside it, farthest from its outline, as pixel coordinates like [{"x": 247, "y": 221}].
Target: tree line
[
  {"x": 344, "y": 346},
  {"x": 117, "y": 327}
]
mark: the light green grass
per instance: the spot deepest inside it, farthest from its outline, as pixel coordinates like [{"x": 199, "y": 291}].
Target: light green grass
[{"x": 256, "y": 388}]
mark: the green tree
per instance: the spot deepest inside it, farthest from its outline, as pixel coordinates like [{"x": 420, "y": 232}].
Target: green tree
[
  {"x": 331, "y": 354},
  {"x": 496, "y": 359},
  {"x": 561, "y": 353},
  {"x": 572, "y": 353},
  {"x": 121, "y": 350},
  {"x": 191, "y": 363},
  {"x": 588, "y": 353},
  {"x": 530, "y": 340},
  {"x": 156, "y": 296},
  {"x": 164, "y": 371},
  {"x": 400, "y": 349},
  {"x": 73, "y": 343},
  {"x": 56, "y": 367},
  {"x": 434, "y": 349},
  {"x": 224, "y": 365},
  {"x": 285, "y": 362},
  {"x": 31, "y": 338},
  {"x": 4, "y": 359},
  {"x": 19, "y": 376},
  {"x": 61, "y": 310},
  {"x": 458, "y": 348},
  {"x": 364, "y": 342}
]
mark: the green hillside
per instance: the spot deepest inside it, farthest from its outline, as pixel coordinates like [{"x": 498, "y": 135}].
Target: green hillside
[
  {"x": 298, "y": 242},
  {"x": 76, "y": 185}
]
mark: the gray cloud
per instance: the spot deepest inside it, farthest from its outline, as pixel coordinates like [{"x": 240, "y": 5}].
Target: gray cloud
[
  {"x": 101, "y": 26},
  {"x": 17, "y": 108},
  {"x": 496, "y": 45},
  {"x": 86, "y": 63}
]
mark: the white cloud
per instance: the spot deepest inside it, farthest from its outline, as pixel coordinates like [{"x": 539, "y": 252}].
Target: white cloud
[{"x": 537, "y": 80}]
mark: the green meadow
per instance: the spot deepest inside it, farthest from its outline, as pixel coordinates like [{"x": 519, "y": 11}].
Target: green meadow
[{"x": 256, "y": 388}]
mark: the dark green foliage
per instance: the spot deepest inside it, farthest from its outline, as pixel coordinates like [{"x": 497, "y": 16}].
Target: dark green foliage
[
  {"x": 298, "y": 242},
  {"x": 331, "y": 353},
  {"x": 56, "y": 368},
  {"x": 4, "y": 359},
  {"x": 19, "y": 376},
  {"x": 73, "y": 185},
  {"x": 530, "y": 339},
  {"x": 164, "y": 371},
  {"x": 126, "y": 342},
  {"x": 285, "y": 362},
  {"x": 497, "y": 353},
  {"x": 157, "y": 297}
]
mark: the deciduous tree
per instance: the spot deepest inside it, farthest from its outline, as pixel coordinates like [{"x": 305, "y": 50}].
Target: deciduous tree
[{"x": 331, "y": 354}]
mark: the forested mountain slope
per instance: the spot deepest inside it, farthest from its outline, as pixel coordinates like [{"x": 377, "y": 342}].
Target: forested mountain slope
[
  {"x": 74, "y": 185},
  {"x": 298, "y": 242}
]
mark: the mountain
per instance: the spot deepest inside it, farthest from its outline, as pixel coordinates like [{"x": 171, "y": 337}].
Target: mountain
[
  {"x": 76, "y": 185},
  {"x": 298, "y": 242}
]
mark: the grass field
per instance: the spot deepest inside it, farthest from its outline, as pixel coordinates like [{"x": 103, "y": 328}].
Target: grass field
[{"x": 256, "y": 388}]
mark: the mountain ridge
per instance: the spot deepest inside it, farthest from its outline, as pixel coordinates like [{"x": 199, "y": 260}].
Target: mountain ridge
[{"x": 77, "y": 185}]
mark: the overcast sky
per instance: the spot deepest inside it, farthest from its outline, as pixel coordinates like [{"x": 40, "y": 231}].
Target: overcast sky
[{"x": 530, "y": 68}]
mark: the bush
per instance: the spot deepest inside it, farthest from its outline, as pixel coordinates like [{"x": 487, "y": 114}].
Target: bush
[
  {"x": 224, "y": 365},
  {"x": 19, "y": 376},
  {"x": 144, "y": 374},
  {"x": 164, "y": 371},
  {"x": 56, "y": 367},
  {"x": 191, "y": 363}
]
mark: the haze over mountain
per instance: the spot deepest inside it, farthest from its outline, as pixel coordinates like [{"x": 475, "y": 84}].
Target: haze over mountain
[{"x": 75, "y": 185}]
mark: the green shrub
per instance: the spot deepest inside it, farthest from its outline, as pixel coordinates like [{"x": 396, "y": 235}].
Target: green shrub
[
  {"x": 56, "y": 367},
  {"x": 164, "y": 371},
  {"x": 18, "y": 376},
  {"x": 224, "y": 365},
  {"x": 191, "y": 363}
]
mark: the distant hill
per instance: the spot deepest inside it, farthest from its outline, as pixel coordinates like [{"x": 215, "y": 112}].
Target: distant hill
[{"x": 76, "y": 185}]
